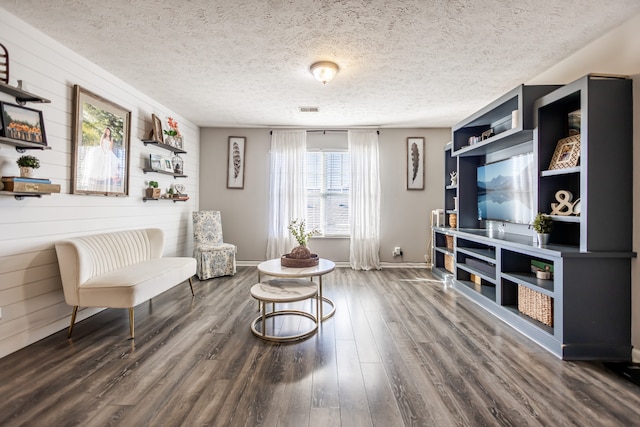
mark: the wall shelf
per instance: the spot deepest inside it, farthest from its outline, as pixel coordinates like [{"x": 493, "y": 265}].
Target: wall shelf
[
  {"x": 144, "y": 199},
  {"x": 21, "y": 195},
  {"x": 21, "y": 96},
  {"x": 21, "y": 146},
  {"x": 163, "y": 146},
  {"x": 175, "y": 175}
]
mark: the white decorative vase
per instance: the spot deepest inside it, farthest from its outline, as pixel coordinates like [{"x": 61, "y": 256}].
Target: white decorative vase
[
  {"x": 26, "y": 172},
  {"x": 543, "y": 239}
]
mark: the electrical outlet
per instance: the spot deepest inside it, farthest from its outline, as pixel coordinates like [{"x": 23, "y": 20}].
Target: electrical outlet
[{"x": 397, "y": 251}]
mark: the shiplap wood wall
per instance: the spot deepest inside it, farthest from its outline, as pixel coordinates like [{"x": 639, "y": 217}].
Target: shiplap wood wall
[{"x": 31, "y": 297}]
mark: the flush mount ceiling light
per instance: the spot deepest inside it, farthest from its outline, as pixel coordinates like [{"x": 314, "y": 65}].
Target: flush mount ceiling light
[{"x": 324, "y": 71}]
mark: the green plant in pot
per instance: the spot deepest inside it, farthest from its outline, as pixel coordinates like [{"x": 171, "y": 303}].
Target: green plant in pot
[
  {"x": 27, "y": 164},
  {"x": 152, "y": 191},
  {"x": 542, "y": 224}
]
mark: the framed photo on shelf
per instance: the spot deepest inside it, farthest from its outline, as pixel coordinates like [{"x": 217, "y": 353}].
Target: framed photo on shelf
[
  {"x": 22, "y": 124},
  {"x": 415, "y": 163},
  {"x": 157, "y": 129},
  {"x": 166, "y": 163},
  {"x": 101, "y": 140},
  {"x": 156, "y": 162},
  {"x": 567, "y": 153},
  {"x": 235, "y": 163}
]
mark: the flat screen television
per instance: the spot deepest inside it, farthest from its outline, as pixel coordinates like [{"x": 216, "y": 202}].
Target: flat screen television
[{"x": 505, "y": 190}]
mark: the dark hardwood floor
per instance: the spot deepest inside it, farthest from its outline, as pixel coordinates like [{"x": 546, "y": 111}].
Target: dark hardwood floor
[{"x": 401, "y": 350}]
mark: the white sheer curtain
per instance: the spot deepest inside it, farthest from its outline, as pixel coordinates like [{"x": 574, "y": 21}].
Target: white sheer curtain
[
  {"x": 286, "y": 189},
  {"x": 365, "y": 200}
]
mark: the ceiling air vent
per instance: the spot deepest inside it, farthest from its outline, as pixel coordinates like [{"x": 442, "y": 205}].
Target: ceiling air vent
[{"x": 308, "y": 109}]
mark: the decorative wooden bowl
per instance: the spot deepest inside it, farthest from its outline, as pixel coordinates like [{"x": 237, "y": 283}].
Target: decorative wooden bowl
[{"x": 285, "y": 261}]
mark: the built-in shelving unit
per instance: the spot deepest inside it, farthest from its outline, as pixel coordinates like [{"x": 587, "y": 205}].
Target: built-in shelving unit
[{"x": 582, "y": 310}]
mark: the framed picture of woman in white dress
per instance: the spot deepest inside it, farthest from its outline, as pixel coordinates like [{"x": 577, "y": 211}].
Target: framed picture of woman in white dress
[{"x": 101, "y": 135}]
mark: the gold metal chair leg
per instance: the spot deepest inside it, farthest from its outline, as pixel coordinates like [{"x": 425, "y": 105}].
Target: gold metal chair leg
[
  {"x": 191, "y": 286},
  {"x": 131, "y": 322},
  {"x": 73, "y": 320}
]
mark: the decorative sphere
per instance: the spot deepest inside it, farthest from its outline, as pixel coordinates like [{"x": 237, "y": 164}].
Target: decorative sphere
[{"x": 300, "y": 252}]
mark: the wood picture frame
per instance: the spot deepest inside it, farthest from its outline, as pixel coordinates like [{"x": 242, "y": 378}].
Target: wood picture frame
[
  {"x": 101, "y": 144},
  {"x": 236, "y": 162},
  {"x": 415, "y": 163},
  {"x": 22, "y": 124},
  {"x": 157, "y": 129},
  {"x": 566, "y": 154}
]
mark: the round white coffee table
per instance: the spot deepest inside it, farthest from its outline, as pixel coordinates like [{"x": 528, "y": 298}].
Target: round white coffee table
[
  {"x": 279, "y": 291},
  {"x": 273, "y": 268}
]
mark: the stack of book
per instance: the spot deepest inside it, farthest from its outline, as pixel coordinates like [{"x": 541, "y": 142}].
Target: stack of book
[
  {"x": 18, "y": 184},
  {"x": 180, "y": 196}
]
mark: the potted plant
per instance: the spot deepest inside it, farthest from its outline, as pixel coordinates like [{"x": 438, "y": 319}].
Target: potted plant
[
  {"x": 153, "y": 192},
  {"x": 27, "y": 164},
  {"x": 300, "y": 256},
  {"x": 542, "y": 224}
]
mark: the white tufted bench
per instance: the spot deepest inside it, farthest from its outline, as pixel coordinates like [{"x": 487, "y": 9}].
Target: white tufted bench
[{"x": 118, "y": 270}]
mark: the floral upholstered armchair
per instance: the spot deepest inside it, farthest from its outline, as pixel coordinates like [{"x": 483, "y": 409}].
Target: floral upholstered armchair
[{"x": 214, "y": 258}]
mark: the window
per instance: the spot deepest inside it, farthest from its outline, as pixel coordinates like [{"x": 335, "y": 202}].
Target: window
[{"x": 327, "y": 184}]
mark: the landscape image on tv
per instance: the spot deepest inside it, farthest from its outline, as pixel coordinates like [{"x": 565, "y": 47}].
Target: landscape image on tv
[{"x": 505, "y": 190}]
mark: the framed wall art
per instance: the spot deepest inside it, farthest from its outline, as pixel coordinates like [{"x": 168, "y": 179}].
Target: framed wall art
[
  {"x": 101, "y": 135},
  {"x": 567, "y": 153},
  {"x": 156, "y": 162},
  {"x": 22, "y": 124},
  {"x": 157, "y": 129},
  {"x": 415, "y": 163},
  {"x": 236, "y": 163}
]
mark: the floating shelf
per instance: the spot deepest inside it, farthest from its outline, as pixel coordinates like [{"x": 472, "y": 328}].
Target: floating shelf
[
  {"x": 164, "y": 146},
  {"x": 21, "y": 195},
  {"x": 175, "y": 175},
  {"x": 22, "y": 96},
  {"x": 144, "y": 199},
  {"x": 21, "y": 146}
]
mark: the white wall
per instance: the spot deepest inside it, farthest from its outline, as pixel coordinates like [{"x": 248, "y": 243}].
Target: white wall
[
  {"x": 404, "y": 215},
  {"x": 617, "y": 52},
  {"x": 31, "y": 296}
]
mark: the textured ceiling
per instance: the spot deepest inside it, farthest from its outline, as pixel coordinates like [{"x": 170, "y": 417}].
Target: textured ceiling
[{"x": 246, "y": 62}]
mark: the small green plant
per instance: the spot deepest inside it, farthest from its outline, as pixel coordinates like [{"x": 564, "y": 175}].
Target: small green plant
[
  {"x": 298, "y": 230},
  {"x": 542, "y": 223},
  {"x": 170, "y": 190},
  {"x": 153, "y": 184},
  {"x": 28, "y": 162}
]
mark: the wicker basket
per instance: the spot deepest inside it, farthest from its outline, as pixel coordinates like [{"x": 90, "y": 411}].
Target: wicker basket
[
  {"x": 535, "y": 305},
  {"x": 449, "y": 242},
  {"x": 448, "y": 263},
  {"x": 453, "y": 220}
]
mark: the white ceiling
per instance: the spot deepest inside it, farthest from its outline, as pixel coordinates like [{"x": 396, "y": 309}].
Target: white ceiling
[{"x": 403, "y": 63}]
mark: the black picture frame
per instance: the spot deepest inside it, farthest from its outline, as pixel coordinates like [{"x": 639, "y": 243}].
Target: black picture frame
[{"x": 22, "y": 124}]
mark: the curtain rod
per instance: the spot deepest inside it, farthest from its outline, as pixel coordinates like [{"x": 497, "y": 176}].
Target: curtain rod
[{"x": 324, "y": 131}]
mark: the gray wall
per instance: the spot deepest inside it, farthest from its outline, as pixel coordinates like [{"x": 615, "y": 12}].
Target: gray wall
[{"x": 404, "y": 215}]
